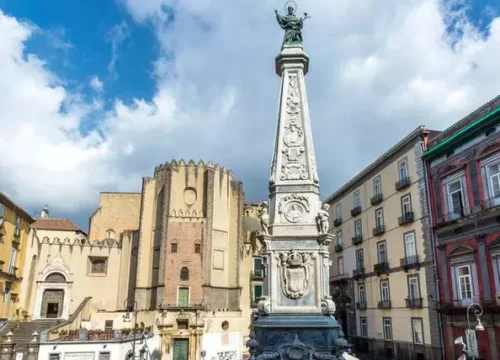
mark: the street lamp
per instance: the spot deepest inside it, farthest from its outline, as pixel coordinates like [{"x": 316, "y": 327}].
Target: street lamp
[
  {"x": 471, "y": 348},
  {"x": 131, "y": 304}
]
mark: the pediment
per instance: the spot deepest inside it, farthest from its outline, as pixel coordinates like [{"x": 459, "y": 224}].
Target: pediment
[{"x": 461, "y": 250}]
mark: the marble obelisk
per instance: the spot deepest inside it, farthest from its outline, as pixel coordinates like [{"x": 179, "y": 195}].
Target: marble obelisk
[{"x": 295, "y": 316}]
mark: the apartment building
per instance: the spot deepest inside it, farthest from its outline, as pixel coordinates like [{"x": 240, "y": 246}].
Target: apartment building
[
  {"x": 381, "y": 277},
  {"x": 463, "y": 169},
  {"x": 14, "y": 227}
]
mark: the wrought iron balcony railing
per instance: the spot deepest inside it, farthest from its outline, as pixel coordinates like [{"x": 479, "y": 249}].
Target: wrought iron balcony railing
[
  {"x": 355, "y": 211},
  {"x": 339, "y": 247},
  {"x": 409, "y": 262},
  {"x": 376, "y": 199},
  {"x": 357, "y": 239},
  {"x": 381, "y": 268},
  {"x": 414, "y": 303},
  {"x": 258, "y": 274},
  {"x": 453, "y": 216},
  {"x": 337, "y": 221},
  {"x": 384, "y": 304},
  {"x": 378, "y": 230},
  {"x": 406, "y": 218},
  {"x": 361, "y": 305},
  {"x": 358, "y": 272},
  {"x": 403, "y": 183}
]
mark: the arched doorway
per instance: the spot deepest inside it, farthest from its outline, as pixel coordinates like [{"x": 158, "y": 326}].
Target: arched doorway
[{"x": 53, "y": 299}]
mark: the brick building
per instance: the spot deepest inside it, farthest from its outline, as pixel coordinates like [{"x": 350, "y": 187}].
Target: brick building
[{"x": 463, "y": 177}]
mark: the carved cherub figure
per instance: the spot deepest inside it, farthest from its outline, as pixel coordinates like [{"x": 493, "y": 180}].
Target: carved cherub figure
[
  {"x": 322, "y": 219},
  {"x": 264, "y": 218}
]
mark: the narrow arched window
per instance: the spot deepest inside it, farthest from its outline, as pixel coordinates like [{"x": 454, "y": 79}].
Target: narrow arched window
[
  {"x": 110, "y": 234},
  {"x": 184, "y": 273}
]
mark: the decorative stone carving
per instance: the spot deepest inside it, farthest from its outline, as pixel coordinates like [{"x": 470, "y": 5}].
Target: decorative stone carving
[
  {"x": 294, "y": 212},
  {"x": 264, "y": 218},
  {"x": 293, "y": 172},
  {"x": 294, "y": 207},
  {"x": 322, "y": 219},
  {"x": 294, "y": 136},
  {"x": 296, "y": 269},
  {"x": 264, "y": 305},
  {"x": 327, "y": 305}
]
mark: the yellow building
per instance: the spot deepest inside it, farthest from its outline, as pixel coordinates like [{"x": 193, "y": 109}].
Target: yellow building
[
  {"x": 14, "y": 227},
  {"x": 382, "y": 274}
]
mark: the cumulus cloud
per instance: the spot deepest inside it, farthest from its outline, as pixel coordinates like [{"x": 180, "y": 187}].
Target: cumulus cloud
[
  {"x": 96, "y": 83},
  {"x": 375, "y": 74},
  {"x": 116, "y": 36}
]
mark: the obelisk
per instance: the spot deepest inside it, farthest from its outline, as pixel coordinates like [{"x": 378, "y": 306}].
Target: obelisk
[{"x": 295, "y": 316}]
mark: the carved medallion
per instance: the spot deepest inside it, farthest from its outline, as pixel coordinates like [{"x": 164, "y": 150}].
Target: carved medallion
[
  {"x": 294, "y": 207},
  {"x": 294, "y": 212},
  {"x": 296, "y": 271},
  {"x": 294, "y": 136}
]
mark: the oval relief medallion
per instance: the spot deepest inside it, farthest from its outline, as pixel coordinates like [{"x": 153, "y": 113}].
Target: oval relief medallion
[
  {"x": 294, "y": 212},
  {"x": 189, "y": 196}
]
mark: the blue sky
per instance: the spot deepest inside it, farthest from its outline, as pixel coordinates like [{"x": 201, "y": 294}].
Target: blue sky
[{"x": 96, "y": 93}]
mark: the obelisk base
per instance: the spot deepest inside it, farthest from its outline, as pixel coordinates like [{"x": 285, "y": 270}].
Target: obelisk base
[{"x": 290, "y": 336}]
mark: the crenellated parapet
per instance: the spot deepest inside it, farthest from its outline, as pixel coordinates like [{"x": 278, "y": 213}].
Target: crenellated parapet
[
  {"x": 79, "y": 241},
  {"x": 176, "y": 165}
]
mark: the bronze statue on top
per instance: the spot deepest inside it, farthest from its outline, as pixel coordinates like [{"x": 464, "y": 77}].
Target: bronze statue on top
[{"x": 292, "y": 25}]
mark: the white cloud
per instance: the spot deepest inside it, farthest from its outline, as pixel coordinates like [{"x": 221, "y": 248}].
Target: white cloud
[
  {"x": 96, "y": 83},
  {"x": 374, "y": 70},
  {"x": 116, "y": 36}
]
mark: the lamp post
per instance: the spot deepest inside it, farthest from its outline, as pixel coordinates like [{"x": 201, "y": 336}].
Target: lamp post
[
  {"x": 470, "y": 349},
  {"x": 131, "y": 304}
]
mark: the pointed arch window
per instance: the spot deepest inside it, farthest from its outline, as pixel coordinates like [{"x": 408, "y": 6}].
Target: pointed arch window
[{"x": 184, "y": 274}]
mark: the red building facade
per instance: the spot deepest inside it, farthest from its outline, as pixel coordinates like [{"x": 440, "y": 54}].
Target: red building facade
[{"x": 463, "y": 184}]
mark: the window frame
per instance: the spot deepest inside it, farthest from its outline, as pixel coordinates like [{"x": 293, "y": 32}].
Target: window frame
[
  {"x": 17, "y": 228},
  {"x": 379, "y": 258},
  {"x": 387, "y": 324},
  {"x": 419, "y": 290},
  {"x": 197, "y": 248},
  {"x": 382, "y": 298},
  {"x": 361, "y": 290},
  {"x": 339, "y": 238},
  {"x": 406, "y": 167},
  {"x": 2, "y": 210},
  {"x": 446, "y": 183},
  {"x": 92, "y": 258},
  {"x": 363, "y": 323},
  {"x": 379, "y": 218},
  {"x": 412, "y": 320},
  {"x": 110, "y": 234},
  {"x": 179, "y": 288},
  {"x": 340, "y": 261},
  {"x": 486, "y": 165},
  {"x": 14, "y": 252},
  {"x": 356, "y": 234},
  {"x": 403, "y": 212},
  {"x": 338, "y": 211},
  {"x": 377, "y": 179},
  {"x": 173, "y": 247},
  {"x": 257, "y": 271},
  {"x": 184, "y": 274},
  {"x": 412, "y": 232},
  {"x": 254, "y": 297},
  {"x": 356, "y": 195},
  {"x": 360, "y": 259}
]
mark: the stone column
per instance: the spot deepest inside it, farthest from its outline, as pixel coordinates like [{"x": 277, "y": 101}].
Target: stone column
[{"x": 483, "y": 263}]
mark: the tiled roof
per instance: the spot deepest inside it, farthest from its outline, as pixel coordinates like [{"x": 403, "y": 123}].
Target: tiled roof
[{"x": 56, "y": 224}]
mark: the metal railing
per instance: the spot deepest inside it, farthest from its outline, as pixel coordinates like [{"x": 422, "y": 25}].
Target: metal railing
[
  {"x": 356, "y": 211},
  {"x": 359, "y": 271},
  {"x": 382, "y": 267},
  {"x": 339, "y": 247},
  {"x": 410, "y": 261},
  {"x": 357, "y": 239},
  {"x": 450, "y": 217},
  {"x": 414, "y": 303},
  {"x": 402, "y": 183},
  {"x": 376, "y": 199},
  {"x": 384, "y": 304},
  {"x": 406, "y": 218},
  {"x": 361, "y": 305},
  {"x": 337, "y": 221},
  {"x": 378, "y": 230}
]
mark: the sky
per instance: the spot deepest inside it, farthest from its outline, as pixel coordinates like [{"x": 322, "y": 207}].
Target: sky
[{"x": 94, "y": 94}]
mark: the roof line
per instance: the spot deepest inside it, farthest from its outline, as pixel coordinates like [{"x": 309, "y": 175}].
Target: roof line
[
  {"x": 466, "y": 128},
  {"x": 406, "y": 140},
  {"x": 12, "y": 203}
]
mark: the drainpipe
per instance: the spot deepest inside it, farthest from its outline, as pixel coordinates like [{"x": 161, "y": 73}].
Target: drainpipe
[{"x": 433, "y": 252}]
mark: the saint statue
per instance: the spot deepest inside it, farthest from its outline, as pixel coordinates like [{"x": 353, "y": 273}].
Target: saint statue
[
  {"x": 322, "y": 219},
  {"x": 292, "y": 26}
]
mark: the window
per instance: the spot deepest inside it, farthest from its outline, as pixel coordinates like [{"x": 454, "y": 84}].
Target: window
[
  {"x": 2, "y": 210},
  {"x": 110, "y": 234},
  {"x": 55, "y": 278},
  {"x": 182, "y": 324},
  {"x": 338, "y": 211},
  {"x": 493, "y": 178},
  {"x": 413, "y": 287},
  {"x": 257, "y": 292},
  {"x": 105, "y": 355},
  {"x": 379, "y": 218},
  {"x": 377, "y": 186},
  {"x": 363, "y": 327},
  {"x": 384, "y": 291},
  {"x": 382, "y": 252},
  {"x": 387, "y": 328},
  {"x": 496, "y": 271},
  {"x": 257, "y": 266},
  {"x": 173, "y": 247},
  {"x": 6, "y": 294},
  {"x": 403, "y": 169},
  {"x": 340, "y": 265},
  {"x": 410, "y": 245},
  {"x": 13, "y": 260},
  {"x": 17, "y": 230},
  {"x": 361, "y": 294},
  {"x": 417, "y": 330},
  {"x": 108, "y": 325},
  {"x": 54, "y": 356},
  {"x": 406, "y": 204},
  {"x": 98, "y": 265},
  {"x": 183, "y": 296},
  {"x": 184, "y": 274},
  {"x": 359, "y": 259},
  {"x": 356, "y": 199},
  {"x": 463, "y": 275},
  {"x": 456, "y": 198},
  {"x": 197, "y": 248},
  {"x": 358, "y": 229},
  {"x": 340, "y": 239}
]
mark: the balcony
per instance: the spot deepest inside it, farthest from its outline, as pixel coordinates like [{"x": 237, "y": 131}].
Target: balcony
[
  {"x": 361, "y": 305},
  {"x": 378, "y": 230},
  {"x": 356, "y": 240},
  {"x": 453, "y": 216},
  {"x": 337, "y": 221},
  {"x": 339, "y": 248},
  {"x": 355, "y": 211},
  {"x": 410, "y": 262},
  {"x": 376, "y": 199},
  {"x": 381, "y": 268},
  {"x": 414, "y": 303},
  {"x": 406, "y": 218},
  {"x": 402, "y": 183},
  {"x": 459, "y": 306},
  {"x": 384, "y": 304},
  {"x": 339, "y": 277},
  {"x": 358, "y": 272}
]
